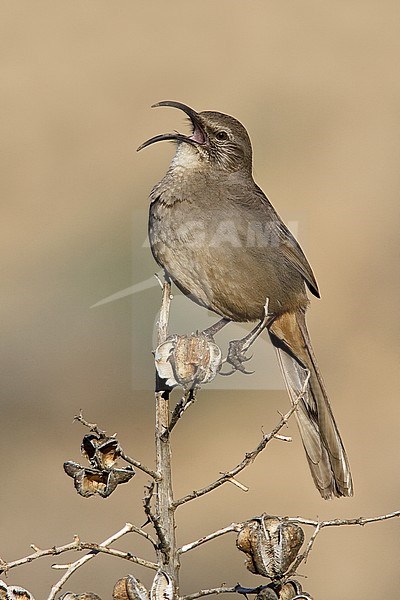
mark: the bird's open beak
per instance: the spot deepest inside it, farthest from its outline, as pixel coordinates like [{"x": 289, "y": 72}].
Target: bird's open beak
[{"x": 198, "y": 136}]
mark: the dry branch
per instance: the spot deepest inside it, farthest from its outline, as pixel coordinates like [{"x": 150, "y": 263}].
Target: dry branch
[
  {"x": 211, "y": 536},
  {"x": 159, "y": 504},
  {"x": 318, "y": 525},
  {"x": 94, "y": 552},
  {"x": 162, "y": 544},
  {"x": 218, "y": 590},
  {"x": 100, "y": 432},
  {"x": 338, "y": 522},
  {"x": 248, "y": 458},
  {"x": 187, "y": 399}
]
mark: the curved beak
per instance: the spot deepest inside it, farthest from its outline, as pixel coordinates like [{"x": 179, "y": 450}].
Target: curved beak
[{"x": 198, "y": 136}]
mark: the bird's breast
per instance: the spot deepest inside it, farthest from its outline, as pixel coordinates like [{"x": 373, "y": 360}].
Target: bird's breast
[{"x": 222, "y": 255}]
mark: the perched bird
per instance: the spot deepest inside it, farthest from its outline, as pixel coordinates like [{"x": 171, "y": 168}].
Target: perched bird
[{"x": 220, "y": 240}]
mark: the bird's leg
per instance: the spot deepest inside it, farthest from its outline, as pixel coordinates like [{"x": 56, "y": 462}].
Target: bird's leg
[
  {"x": 211, "y": 331},
  {"x": 238, "y": 348}
]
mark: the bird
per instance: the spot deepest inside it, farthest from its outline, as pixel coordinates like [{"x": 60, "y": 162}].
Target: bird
[{"x": 219, "y": 239}]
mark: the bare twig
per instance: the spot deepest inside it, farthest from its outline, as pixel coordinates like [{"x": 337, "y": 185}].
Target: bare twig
[
  {"x": 91, "y": 426},
  {"x": 53, "y": 551},
  {"x": 283, "y": 438},
  {"x": 139, "y": 465},
  {"x": 144, "y": 534},
  {"x": 318, "y": 525},
  {"x": 98, "y": 548},
  {"x": 155, "y": 520},
  {"x": 218, "y": 590},
  {"x": 304, "y": 555},
  {"x": 234, "y": 481},
  {"x": 100, "y": 432},
  {"x": 249, "y": 456},
  {"x": 209, "y": 537},
  {"x": 338, "y": 522},
  {"x": 78, "y": 545},
  {"x": 187, "y": 399}
]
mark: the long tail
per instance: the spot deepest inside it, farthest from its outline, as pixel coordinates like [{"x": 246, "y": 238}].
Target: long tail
[{"x": 321, "y": 439}]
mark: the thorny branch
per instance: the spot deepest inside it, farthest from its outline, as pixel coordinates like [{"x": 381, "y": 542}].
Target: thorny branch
[
  {"x": 249, "y": 456},
  {"x": 78, "y": 545},
  {"x": 304, "y": 555},
  {"x": 96, "y": 549},
  {"x": 139, "y": 465},
  {"x": 318, "y": 525},
  {"x": 154, "y": 519},
  {"x": 53, "y": 551},
  {"x": 163, "y": 544},
  {"x": 187, "y": 399},
  {"x": 99, "y": 549},
  {"x": 91, "y": 426},
  {"x": 100, "y": 432},
  {"x": 337, "y": 522}
]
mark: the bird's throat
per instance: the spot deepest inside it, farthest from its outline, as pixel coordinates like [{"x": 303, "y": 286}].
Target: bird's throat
[{"x": 186, "y": 157}]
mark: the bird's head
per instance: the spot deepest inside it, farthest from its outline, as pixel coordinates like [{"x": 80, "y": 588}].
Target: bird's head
[{"x": 217, "y": 140}]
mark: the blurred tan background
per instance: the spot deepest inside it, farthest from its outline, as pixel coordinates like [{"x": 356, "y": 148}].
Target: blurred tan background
[{"x": 317, "y": 86}]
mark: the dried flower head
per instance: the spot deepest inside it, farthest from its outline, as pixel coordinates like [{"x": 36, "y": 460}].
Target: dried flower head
[
  {"x": 14, "y": 592},
  {"x": 89, "y": 481},
  {"x": 290, "y": 590},
  {"x": 271, "y": 544},
  {"x": 162, "y": 587},
  {"x": 188, "y": 361},
  {"x": 102, "y": 477},
  {"x": 130, "y": 588},
  {"x": 101, "y": 452}
]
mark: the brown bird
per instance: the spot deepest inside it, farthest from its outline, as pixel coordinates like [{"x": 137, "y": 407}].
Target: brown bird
[{"x": 220, "y": 240}]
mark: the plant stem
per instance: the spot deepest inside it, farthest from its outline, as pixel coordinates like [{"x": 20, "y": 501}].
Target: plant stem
[{"x": 164, "y": 500}]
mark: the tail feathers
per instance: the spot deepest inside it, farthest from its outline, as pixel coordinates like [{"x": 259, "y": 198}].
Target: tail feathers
[{"x": 320, "y": 436}]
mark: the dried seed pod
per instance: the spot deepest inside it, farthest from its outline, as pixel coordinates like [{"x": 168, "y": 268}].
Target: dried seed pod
[
  {"x": 88, "y": 446},
  {"x": 267, "y": 593},
  {"x": 107, "y": 453},
  {"x": 90, "y": 481},
  {"x": 276, "y": 591},
  {"x": 271, "y": 544},
  {"x": 3, "y": 590},
  {"x": 290, "y": 590},
  {"x": 188, "y": 361},
  {"x": 136, "y": 589},
  {"x": 162, "y": 588},
  {"x": 101, "y": 452},
  {"x": 130, "y": 588},
  {"x": 14, "y": 592}
]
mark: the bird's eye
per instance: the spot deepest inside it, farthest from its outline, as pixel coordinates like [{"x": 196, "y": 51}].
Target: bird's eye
[{"x": 221, "y": 135}]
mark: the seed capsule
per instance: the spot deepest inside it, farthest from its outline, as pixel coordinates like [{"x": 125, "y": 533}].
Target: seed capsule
[
  {"x": 162, "y": 588},
  {"x": 188, "y": 361},
  {"x": 271, "y": 544},
  {"x": 130, "y": 588}
]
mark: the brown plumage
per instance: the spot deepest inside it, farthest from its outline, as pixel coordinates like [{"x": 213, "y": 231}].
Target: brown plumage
[{"x": 220, "y": 240}]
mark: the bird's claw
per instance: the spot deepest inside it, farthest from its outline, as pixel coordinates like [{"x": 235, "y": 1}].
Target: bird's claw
[{"x": 236, "y": 357}]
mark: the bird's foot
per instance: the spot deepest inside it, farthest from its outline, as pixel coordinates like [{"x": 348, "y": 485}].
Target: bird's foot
[{"x": 237, "y": 357}]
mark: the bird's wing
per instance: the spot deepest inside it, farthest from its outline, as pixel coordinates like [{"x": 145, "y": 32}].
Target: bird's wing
[
  {"x": 295, "y": 255},
  {"x": 289, "y": 246}
]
